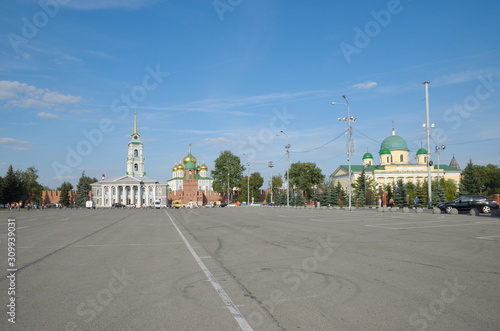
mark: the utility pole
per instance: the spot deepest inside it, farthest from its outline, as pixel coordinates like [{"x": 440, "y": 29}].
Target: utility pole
[
  {"x": 428, "y": 131},
  {"x": 271, "y": 165}
]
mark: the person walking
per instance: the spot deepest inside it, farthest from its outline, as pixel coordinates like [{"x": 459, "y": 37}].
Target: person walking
[{"x": 416, "y": 202}]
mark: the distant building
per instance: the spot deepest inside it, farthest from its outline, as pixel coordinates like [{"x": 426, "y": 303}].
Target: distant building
[
  {"x": 394, "y": 164},
  {"x": 53, "y": 196},
  {"x": 134, "y": 188},
  {"x": 191, "y": 184}
]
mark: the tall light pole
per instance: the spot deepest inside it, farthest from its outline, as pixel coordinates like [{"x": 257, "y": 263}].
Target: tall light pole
[
  {"x": 271, "y": 165},
  {"x": 248, "y": 184},
  {"x": 439, "y": 148},
  {"x": 428, "y": 131},
  {"x": 287, "y": 148},
  {"x": 348, "y": 119},
  {"x": 227, "y": 185}
]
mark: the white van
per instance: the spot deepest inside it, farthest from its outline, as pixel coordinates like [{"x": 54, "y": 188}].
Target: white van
[{"x": 157, "y": 204}]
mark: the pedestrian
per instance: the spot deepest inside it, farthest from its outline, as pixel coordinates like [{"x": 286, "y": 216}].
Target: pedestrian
[
  {"x": 391, "y": 202},
  {"x": 379, "y": 201},
  {"x": 416, "y": 202}
]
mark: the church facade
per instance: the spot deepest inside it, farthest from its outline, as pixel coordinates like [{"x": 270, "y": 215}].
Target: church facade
[
  {"x": 191, "y": 184},
  {"x": 394, "y": 164},
  {"x": 133, "y": 189}
]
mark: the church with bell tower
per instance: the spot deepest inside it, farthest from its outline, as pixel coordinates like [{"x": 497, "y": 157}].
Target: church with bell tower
[
  {"x": 135, "y": 158},
  {"x": 134, "y": 189}
]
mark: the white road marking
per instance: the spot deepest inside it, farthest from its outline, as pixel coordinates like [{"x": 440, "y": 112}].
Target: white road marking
[
  {"x": 22, "y": 227},
  {"x": 242, "y": 322},
  {"x": 107, "y": 245},
  {"x": 495, "y": 238}
]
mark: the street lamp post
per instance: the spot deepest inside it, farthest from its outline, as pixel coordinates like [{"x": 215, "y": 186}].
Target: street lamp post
[
  {"x": 271, "y": 165},
  {"x": 227, "y": 185},
  {"x": 439, "y": 148},
  {"x": 428, "y": 131},
  {"x": 248, "y": 185},
  {"x": 348, "y": 119},
  {"x": 287, "y": 148}
]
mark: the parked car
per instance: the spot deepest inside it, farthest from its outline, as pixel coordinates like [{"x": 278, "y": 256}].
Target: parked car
[
  {"x": 222, "y": 205},
  {"x": 118, "y": 205},
  {"x": 467, "y": 202}
]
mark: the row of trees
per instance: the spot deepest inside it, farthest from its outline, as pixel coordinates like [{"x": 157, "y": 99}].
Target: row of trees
[
  {"x": 22, "y": 187},
  {"x": 308, "y": 183},
  {"x": 82, "y": 191}
]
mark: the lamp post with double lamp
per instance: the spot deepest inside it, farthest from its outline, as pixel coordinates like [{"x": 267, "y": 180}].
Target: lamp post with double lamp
[
  {"x": 348, "y": 119},
  {"x": 287, "y": 148},
  {"x": 248, "y": 180},
  {"x": 439, "y": 148},
  {"x": 427, "y": 127},
  {"x": 271, "y": 165}
]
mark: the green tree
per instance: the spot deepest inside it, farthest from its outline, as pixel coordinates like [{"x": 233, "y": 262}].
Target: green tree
[
  {"x": 450, "y": 188},
  {"x": 304, "y": 176},
  {"x": 400, "y": 194},
  {"x": 227, "y": 169},
  {"x": 32, "y": 190},
  {"x": 471, "y": 182},
  {"x": 360, "y": 190},
  {"x": 83, "y": 188},
  {"x": 438, "y": 193},
  {"x": 12, "y": 187},
  {"x": 256, "y": 182},
  {"x": 65, "y": 199},
  {"x": 1, "y": 190},
  {"x": 277, "y": 184},
  {"x": 341, "y": 195},
  {"x": 421, "y": 193}
]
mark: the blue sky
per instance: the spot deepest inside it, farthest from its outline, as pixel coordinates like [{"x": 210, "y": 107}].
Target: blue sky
[{"x": 229, "y": 75}]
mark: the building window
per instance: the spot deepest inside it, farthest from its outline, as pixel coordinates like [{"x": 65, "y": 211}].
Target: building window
[
  {"x": 136, "y": 154},
  {"x": 401, "y": 158},
  {"x": 387, "y": 159},
  {"x": 136, "y": 167}
]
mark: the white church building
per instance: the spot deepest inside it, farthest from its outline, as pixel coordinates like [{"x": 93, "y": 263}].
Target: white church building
[{"x": 133, "y": 189}]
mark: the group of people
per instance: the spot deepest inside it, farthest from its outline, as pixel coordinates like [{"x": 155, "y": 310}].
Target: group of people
[{"x": 391, "y": 202}]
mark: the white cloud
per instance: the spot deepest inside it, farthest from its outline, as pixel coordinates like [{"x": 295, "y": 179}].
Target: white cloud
[
  {"x": 46, "y": 115},
  {"x": 107, "y": 4},
  {"x": 22, "y": 95},
  {"x": 17, "y": 145},
  {"x": 366, "y": 85}
]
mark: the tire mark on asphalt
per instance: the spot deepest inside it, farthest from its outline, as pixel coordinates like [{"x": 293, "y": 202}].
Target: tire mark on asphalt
[
  {"x": 4, "y": 278},
  {"x": 246, "y": 291}
]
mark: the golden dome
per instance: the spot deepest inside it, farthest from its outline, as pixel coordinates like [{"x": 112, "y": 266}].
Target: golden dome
[
  {"x": 203, "y": 166},
  {"x": 189, "y": 157},
  {"x": 174, "y": 169},
  {"x": 180, "y": 166}
]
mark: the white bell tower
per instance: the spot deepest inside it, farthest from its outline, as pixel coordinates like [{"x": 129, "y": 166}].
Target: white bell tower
[{"x": 135, "y": 158}]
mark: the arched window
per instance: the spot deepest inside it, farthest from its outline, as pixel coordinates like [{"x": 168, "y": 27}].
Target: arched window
[
  {"x": 136, "y": 153},
  {"x": 401, "y": 158},
  {"x": 387, "y": 159},
  {"x": 136, "y": 167}
]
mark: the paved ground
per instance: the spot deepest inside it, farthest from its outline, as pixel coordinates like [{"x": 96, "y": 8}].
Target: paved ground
[{"x": 251, "y": 268}]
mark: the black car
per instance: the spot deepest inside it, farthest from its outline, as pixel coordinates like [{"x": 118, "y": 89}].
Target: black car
[
  {"x": 468, "y": 202},
  {"x": 118, "y": 205}
]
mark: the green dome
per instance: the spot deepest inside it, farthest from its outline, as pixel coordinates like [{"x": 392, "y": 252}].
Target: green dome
[
  {"x": 422, "y": 151},
  {"x": 190, "y": 165},
  {"x": 385, "y": 151},
  {"x": 367, "y": 156},
  {"x": 394, "y": 143}
]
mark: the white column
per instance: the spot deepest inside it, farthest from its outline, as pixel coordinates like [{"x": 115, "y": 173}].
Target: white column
[{"x": 139, "y": 195}]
